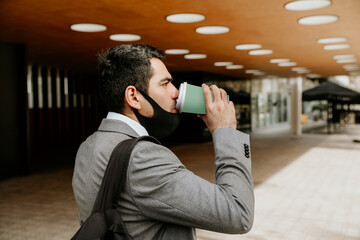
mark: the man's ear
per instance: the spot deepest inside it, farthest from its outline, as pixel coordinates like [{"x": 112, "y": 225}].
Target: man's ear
[{"x": 132, "y": 97}]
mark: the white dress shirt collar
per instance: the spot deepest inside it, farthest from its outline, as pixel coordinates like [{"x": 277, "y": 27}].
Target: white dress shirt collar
[{"x": 137, "y": 127}]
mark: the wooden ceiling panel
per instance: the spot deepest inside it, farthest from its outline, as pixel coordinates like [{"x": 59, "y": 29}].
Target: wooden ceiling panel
[{"x": 43, "y": 26}]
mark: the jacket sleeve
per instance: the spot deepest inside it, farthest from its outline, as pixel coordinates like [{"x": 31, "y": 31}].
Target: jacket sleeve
[{"x": 164, "y": 190}]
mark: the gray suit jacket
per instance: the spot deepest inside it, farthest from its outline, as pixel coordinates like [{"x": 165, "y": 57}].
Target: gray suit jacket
[{"x": 162, "y": 199}]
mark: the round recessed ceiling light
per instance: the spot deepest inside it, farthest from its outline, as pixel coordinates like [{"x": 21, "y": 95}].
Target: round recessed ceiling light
[
  {"x": 346, "y": 56},
  {"x": 176, "y": 51},
  {"x": 317, "y": 20},
  {"x": 313, "y": 75},
  {"x": 221, "y": 64},
  {"x": 212, "y": 30},
  {"x": 88, "y": 27},
  {"x": 287, "y": 64},
  {"x": 234, "y": 67},
  {"x": 351, "y": 67},
  {"x": 348, "y": 60},
  {"x": 299, "y": 69},
  {"x": 303, "y": 71},
  {"x": 195, "y": 56},
  {"x": 251, "y": 71},
  {"x": 331, "y": 40},
  {"x": 261, "y": 52},
  {"x": 185, "y": 18},
  {"x": 336, "y": 46},
  {"x": 279, "y": 60},
  {"x": 125, "y": 37},
  {"x": 354, "y": 73},
  {"x": 248, "y": 46},
  {"x": 301, "y": 5},
  {"x": 259, "y": 73}
]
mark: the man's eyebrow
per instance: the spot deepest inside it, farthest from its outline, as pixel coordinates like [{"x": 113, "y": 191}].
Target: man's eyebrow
[{"x": 170, "y": 79}]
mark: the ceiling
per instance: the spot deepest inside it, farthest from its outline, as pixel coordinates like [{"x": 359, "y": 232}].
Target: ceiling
[{"x": 43, "y": 25}]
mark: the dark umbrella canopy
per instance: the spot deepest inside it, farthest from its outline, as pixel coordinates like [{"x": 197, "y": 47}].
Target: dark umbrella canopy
[
  {"x": 356, "y": 99},
  {"x": 329, "y": 91}
]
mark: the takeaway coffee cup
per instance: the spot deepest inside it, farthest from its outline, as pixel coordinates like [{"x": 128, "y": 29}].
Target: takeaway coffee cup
[{"x": 191, "y": 99}]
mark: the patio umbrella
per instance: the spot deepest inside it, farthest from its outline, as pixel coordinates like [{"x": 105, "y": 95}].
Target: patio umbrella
[
  {"x": 356, "y": 99},
  {"x": 329, "y": 91}
]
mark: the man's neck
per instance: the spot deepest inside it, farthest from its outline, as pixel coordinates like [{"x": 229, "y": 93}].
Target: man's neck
[
  {"x": 135, "y": 125},
  {"x": 130, "y": 114}
]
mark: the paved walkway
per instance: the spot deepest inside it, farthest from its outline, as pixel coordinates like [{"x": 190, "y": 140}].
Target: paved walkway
[{"x": 306, "y": 188}]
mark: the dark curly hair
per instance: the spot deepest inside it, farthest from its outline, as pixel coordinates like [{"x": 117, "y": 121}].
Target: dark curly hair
[{"x": 123, "y": 66}]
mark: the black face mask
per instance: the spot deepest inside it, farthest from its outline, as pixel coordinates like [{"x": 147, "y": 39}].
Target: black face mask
[{"x": 162, "y": 123}]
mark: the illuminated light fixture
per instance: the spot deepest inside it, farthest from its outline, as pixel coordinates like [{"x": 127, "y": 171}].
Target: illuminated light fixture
[
  {"x": 261, "y": 52},
  {"x": 251, "y": 71},
  {"x": 195, "y": 56},
  {"x": 125, "y": 37},
  {"x": 348, "y": 60},
  {"x": 279, "y": 60},
  {"x": 302, "y": 5},
  {"x": 332, "y": 40},
  {"x": 88, "y": 27},
  {"x": 185, "y": 18},
  {"x": 351, "y": 67},
  {"x": 303, "y": 71},
  {"x": 354, "y": 73},
  {"x": 299, "y": 69},
  {"x": 247, "y": 46},
  {"x": 222, "y": 64},
  {"x": 336, "y": 46},
  {"x": 347, "y": 56},
  {"x": 318, "y": 19},
  {"x": 287, "y": 64},
  {"x": 259, "y": 73},
  {"x": 234, "y": 67},
  {"x": 212, "y": 30},
  {"x": 176, "y": 51},
  {"x": 313, "y": 75}
]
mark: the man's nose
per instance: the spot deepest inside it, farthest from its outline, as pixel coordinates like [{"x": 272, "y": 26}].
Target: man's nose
[{"x": 175, "y": 93}]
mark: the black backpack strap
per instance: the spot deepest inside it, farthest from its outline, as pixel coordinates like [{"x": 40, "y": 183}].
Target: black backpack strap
[{"x": 113, "y": 182}]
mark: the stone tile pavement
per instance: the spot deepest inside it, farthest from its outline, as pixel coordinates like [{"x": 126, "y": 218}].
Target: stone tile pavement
[{"x": 306, "y": 188}]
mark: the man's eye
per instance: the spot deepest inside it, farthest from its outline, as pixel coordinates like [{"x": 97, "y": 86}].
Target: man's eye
[{"x": 166, "y": 83}]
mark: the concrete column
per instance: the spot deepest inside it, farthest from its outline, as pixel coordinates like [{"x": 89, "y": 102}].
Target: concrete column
[{"x": 296, "y": 100}]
